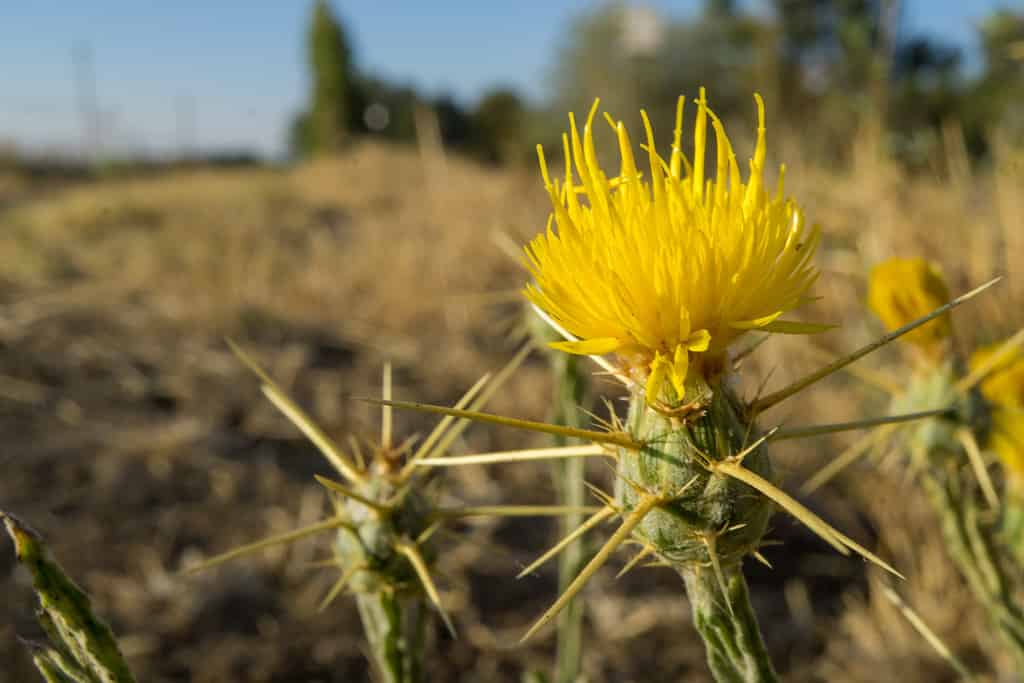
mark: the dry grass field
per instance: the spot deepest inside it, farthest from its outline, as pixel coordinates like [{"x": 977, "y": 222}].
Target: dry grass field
[{"x": 136, "y": 442}]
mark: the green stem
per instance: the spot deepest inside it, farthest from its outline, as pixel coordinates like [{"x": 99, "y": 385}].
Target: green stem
[
  {"x": 968, "y": 541},
  {"x": 394, "y": 628},
  {"x": 728, "y": 625},
  {"x": 1012, "y": 527},
  {"x": 569, "y": 390},
  {"x": 705, "y": 522},
  {"x": 82, "y": 647},
  {"x": 570, "y": 387}
]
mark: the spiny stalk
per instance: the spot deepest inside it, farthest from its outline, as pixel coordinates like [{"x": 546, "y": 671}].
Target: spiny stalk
[
  {"x": 380, "y": 508},
  {"x": 438, "y": 432},
  {"x": 642, "y": 554},
  {"x": 299, "y": 418},
  {"x": 329, "y": 524},
  {"x": 966, "y": 439},
  {"x": 611, "y": 438},
  {"x": 818, "y": 430},
  {"x": 385, "y": 523},
  {"x": 594, "y": 520},
  {"x": 945, "y": 455},
  {"x": 823, "y": 529},
  {"x": 512, "y": 511},
  {"x": 339, "y": 585},
  {"x": 447, "y": 436},
  {"x": 849, "y": 456},
  {"x": 631, "y": 520},
  {"x": 927, "y": 633},
  {"x": 773, "y": 399},
  {"x": 412, "y": 552},
  {"x": 526, "y": 455}
]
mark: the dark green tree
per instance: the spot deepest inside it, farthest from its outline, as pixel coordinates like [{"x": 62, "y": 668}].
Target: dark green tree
[
  {"x": 835, "y": 53},
  {"x": 499, "y": 121},
  {"x": 385, "y": 110},
  {"x": 300, "y": 136},
  {"x": 455, "y": 123},
  {"x": 999, "y": 95},
  {"x": 926, "y": 92},
  {"x": 330, "y": 63},
  {"x": 634, "y": 58}
]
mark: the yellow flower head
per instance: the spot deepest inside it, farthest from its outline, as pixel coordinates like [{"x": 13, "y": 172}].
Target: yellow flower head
[
  {"x": 1005, "y": 384},
  {"x": 663, "y": 269},
  {"x": 1004, "y": 388},
  {"x": 901, "y": 290}
]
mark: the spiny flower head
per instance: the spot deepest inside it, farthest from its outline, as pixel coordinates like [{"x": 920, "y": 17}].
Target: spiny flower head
[
  {"x": 672, "y": 267},
  {"x": 901, "y": 290}
]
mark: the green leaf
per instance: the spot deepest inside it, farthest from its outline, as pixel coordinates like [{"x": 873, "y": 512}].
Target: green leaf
[{"x": 82, "y": 647}]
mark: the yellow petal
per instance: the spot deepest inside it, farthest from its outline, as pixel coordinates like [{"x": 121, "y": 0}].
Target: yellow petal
[
  {"x": 901, "y": 290},
  {"x": 699, "y": 341},
  {"x": 684, "y": 323},
  {"x": 588, "y": 347},
  {"x": 680, "y": 366},
  {"x": 654, "y": 380},
  {"x": 756, "y": 323}
]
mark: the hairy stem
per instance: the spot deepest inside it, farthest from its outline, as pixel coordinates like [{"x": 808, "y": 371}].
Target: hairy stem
[
  {"x": 1012, "y": 526},
  {"x": 569, "y": 390},
  {"x": 394, "y": 629},
  {"x": 726, "y": 621},
  {"x": 705, "y": 522},
  {"x": 968, "y": 540}
]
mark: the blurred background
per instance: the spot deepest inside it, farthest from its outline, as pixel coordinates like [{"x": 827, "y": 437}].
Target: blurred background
[{"x": 334, "y": 185}]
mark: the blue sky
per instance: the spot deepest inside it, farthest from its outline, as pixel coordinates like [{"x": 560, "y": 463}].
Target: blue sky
[{"x": 237, "y": 69}]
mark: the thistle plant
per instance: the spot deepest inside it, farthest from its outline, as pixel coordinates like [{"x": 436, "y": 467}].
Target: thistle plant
[
  {"x": 657, "y": 279},
  {"x": 384, "y": 520},
  {"x": 947, "y": 453}
]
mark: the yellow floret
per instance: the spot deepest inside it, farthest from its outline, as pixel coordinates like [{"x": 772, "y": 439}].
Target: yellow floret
[
  {"x": 901, "y": 290},
  {"x": 1005, "y": 385}
]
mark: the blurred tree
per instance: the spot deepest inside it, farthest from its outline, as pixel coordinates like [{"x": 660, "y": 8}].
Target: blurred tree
[
  {"x": 998, "y": 96},
  {"x": 330, "y": 63},
  {"x": 385, "y": 109},
  {"x": 456, "y": 125},
  {"x": 836, "y": 54},
  {"x": 632, "y": 58},
  {"x": 499, "y": 121},
  {"x": 926, "y": 92},
  {"x": 724, "y": 8},
  {"x": 844, "y": 65},
  {"x": 300, "y": 136}
]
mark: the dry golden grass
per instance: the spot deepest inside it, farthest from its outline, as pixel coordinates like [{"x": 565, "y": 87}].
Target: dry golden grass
[{"x": 134, "y": 440}]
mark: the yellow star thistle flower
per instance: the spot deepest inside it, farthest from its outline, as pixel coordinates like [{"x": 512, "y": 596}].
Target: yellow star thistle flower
[
  {"x": 1005, "y": 389},
  {"x": 1005, "y": 385},
  {"x": 663, "y": 269},
  {"x": 901, "y": 290}
]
